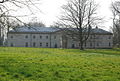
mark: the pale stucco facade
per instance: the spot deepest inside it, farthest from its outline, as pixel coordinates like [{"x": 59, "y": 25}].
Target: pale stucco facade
[
  {"x": 42, "y": 40},
  {"x": 55, "y": 39}
]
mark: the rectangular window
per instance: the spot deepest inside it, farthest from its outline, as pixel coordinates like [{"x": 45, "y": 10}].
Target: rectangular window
[
  {"x": 55, "y": 45},
  {"x": 46, "y": 37},
  {"x": 26, "y": 44},
  {"x": 11, "y": 36},
  {"x": 85, "y": 44},
  {"x": 109, "y": 44},
  {"x": 54, "y": 37},
  {"x": 90, "y": 44},
  {"x": 11, "y": 45},
  {"x": 40, "y": 44},
  {"x": 109, "y": 37},
  {"x": 34, "y": 37},
  {"x": 26, "y": 36},
  {"x": 73, "y": 45},
  {"x": 46, "y": 44},
  {"x": 34, "y": 44},
  {"x": 40, "y": 37},
  {"x": 97, "y": 44}
]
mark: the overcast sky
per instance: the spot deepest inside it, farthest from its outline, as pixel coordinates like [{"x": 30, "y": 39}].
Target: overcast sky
[{"x": 51, "y": 10}]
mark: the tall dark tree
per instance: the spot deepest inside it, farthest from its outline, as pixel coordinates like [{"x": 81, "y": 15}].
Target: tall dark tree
[
  {"x": 78, "y": 17},
  {"x": 116, "y": 23}
]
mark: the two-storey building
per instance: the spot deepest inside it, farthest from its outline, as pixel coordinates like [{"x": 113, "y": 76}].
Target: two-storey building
[{"x": 47, "y": 37}]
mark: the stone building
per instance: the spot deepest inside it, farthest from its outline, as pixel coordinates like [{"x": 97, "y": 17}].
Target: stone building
[{"x": 46, "y": 37}]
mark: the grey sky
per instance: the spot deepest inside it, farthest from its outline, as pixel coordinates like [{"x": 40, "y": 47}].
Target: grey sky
[{"x": 51, "y": 10}]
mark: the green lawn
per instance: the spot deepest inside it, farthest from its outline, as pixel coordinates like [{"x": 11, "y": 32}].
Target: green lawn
[{"x": 44, "y": 64}]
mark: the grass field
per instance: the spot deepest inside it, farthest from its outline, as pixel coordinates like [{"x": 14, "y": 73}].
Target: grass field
[{"x": 44, "y": 64}]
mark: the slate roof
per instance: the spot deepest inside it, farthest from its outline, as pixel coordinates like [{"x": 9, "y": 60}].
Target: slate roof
[
  {"x": 100, "y": 31},
  {"x": 50, "y": 30},
  {"x": 35, "y": 29}
]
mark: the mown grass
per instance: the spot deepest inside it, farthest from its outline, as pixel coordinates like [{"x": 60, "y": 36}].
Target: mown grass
[{"x": 44, "y": 64}]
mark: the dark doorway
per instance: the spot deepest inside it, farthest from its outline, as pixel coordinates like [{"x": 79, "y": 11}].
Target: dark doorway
[
  {"x": 26, "y": 45},
  {"x": 73, "y": 45},
  {"x": 55, "y": 45}
]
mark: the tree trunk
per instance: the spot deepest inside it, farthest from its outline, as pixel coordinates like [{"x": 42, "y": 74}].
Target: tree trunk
[
  {"x": 81, "y": 38},
  {"x": 81, "y": 44}
]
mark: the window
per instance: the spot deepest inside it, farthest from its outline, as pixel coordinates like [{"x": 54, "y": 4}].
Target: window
[
  {"x": 46, "y": 37},
  {"x": 26, "y": 44},
  {"x": 11, "y": 44},
  {"x": 73, "y": 45},
  {"x": 109, "y": 37},
  {"x": 46, "y": 44},
  {"x": 85, "y": 44},
  {"x": 55, "y": 45},
  {"x": 34, "y": 44},
  {"x": 26, "y": 36},
  {"x": 54, "y": 37},
  {"x": 109, "y": 44},
  {"x": 40, "y": 44},
  {"x": 90, "y": 44},
  {"x": 97, "y": 44},
  {"x": 34, "y": 37},
  {"x": 11, "y": 36},
  {"x": 40, "y": 37},
  {"x": 79, "y": 44}
]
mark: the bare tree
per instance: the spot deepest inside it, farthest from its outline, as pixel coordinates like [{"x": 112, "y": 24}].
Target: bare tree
[
  {"x": 6, "y": 13},
  {"x": 78, "y": 17},
  {"x": 116, "y": 23},
  {"x": 11, "y": 24}
]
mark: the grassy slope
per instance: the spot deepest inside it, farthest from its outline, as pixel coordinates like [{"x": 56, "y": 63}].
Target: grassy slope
[{"x": 34, "y": 64}]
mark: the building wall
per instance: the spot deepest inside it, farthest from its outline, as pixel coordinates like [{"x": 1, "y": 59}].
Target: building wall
[
  {"x": 94, "y": 41},
  {"x": 100, "y": 41},
  {"x": 55, "y": 40},
  {"x": 34, "y": 40}
]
